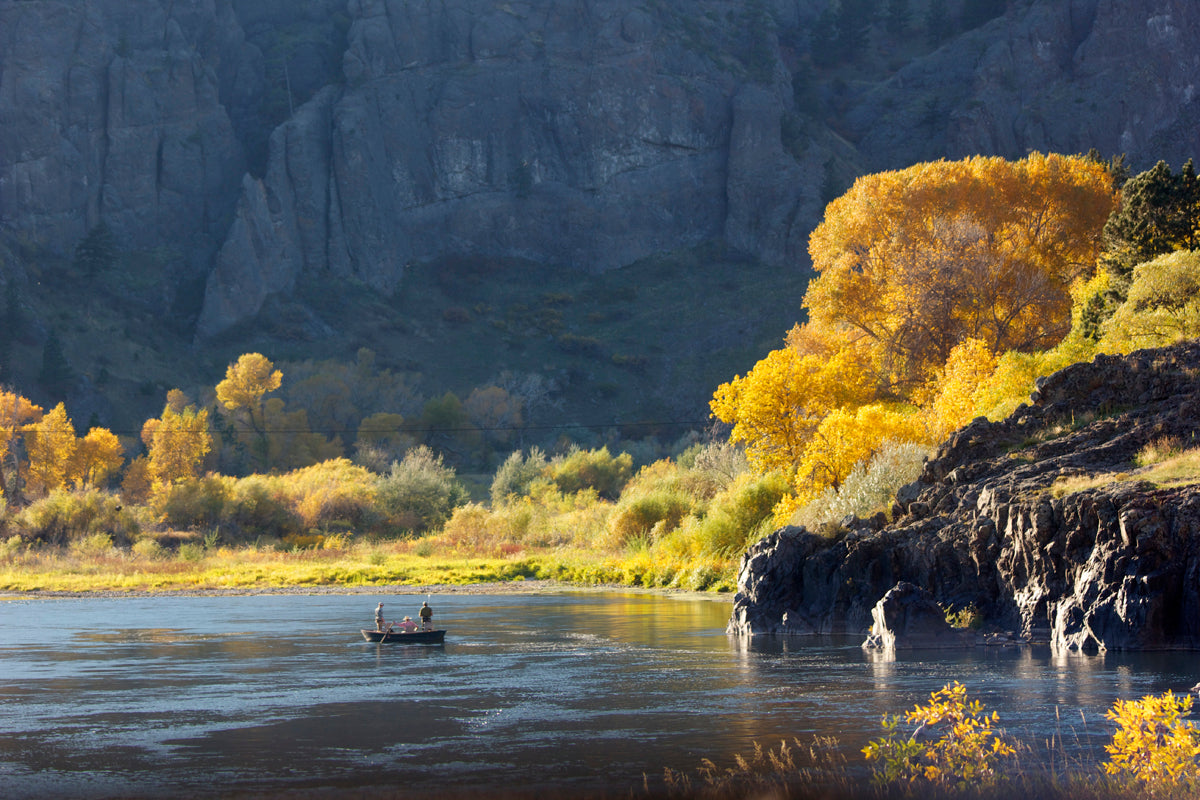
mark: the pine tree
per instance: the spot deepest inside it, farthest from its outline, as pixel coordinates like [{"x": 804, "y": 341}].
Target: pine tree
[
  {"x": 96, "y": 252},
  {"x": 56, "y": 374},
  {"x": 899, "y": 16}
]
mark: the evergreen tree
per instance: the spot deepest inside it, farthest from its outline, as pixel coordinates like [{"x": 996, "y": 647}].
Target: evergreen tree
[
  {"x": 10, "y": 326},
  {"x": 1159, "y": 213},
  {"x": 824, "y": 36},
  {"x": 96, "y": 252},
  {"x": 978, "y": 12},
  {"x": 56, "y": 375},
  {"x": 853, "y": 27},
  {"x": 938, "y": 25},
  {"x": 899, "y": 16}
]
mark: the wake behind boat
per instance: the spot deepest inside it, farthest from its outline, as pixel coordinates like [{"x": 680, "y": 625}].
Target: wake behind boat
[{"x": 399, "y": 637}]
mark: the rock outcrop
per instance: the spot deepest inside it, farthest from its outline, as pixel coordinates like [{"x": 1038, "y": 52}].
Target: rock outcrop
[
  {"x": 909, "y": 617},
  {"x": 252, "y": 143},
  {"x": 1113, "y": 565}
]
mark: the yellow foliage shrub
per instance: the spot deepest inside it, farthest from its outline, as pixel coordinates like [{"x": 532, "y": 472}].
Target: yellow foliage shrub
[{"x": 1154, "y": 747}]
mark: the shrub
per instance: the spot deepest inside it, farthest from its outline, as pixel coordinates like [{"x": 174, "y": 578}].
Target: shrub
[
  {"x": 592, "y": 469},
  {"x": 148, "y": 549},
  {"x": 515, "y": 475},
  {"x": 1153, "y": 747},
  {"x": 195, "y": 504},
  {"x": 191, "y": 551},
  {"x": 953, "y": 744},
  {"x": 1162, "y": 307},
  {"x": 868, "y": 488},
  {"x": 655, "y": 512},
  {"x": 94, "y": 545},
  {"x": 740, "y": 515},
  {"x": 256, "y": 507},
  {"x": 333, "y": 494},
  {"x": 420, "y": 492},
  {"x": 62, "y": 517}
]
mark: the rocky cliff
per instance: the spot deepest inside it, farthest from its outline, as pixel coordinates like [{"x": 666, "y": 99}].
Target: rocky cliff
[
  {"x": 250, "y": 144},
  {"x": 1116, "y": 566}
]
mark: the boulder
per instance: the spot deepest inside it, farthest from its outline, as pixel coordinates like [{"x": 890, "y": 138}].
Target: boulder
[{"x": 908, "y": 617}]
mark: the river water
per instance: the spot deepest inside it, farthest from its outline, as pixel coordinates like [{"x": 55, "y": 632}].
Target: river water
[{"x": 566, "y": 692}]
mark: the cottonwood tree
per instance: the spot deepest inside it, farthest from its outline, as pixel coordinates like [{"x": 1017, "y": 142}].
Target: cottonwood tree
[
  {"x": 917, "y": 260},
  {"x": 50, "y": 443},
  {"x": 16, "y": 413},
  {"x": 247, "y": 382},
  {"x": 177, "y": 442},
  {"x": 98, "y": 455}
]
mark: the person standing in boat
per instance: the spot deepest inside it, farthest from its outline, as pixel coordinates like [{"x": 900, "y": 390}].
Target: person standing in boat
[
  {"x": 379, "y": 617},
  {"x": 426, "y": 615}
]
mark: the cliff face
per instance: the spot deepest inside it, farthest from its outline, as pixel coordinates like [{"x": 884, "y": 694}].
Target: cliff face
[
  {"x": 251, "y": 144},
  {"x": 1111, "y": 567}
]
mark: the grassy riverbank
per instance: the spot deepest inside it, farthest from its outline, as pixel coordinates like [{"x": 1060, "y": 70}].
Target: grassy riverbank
[{"x": 335, "y": 563}]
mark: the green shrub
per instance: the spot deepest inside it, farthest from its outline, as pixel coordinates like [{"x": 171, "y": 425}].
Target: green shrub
[
  {"x": 65, "y": 516},
  {"x": 868, "y": 488},
  {"x": 656, "y": 512},
  {"x": 94, "y": 545},
  {"x": 256, "y": 508},
  {"x": 191, "y": 552},
  {"x": 741, "y": 514},
  {"x": 420, "y": 492},
  {"x": 148, "y": 549},
  {"x": 194, "y": 505},
  {"x": 515, "y": 475},
  {"x": 592, "y": 469}
]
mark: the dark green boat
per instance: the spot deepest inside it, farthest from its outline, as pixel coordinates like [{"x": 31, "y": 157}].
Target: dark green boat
[{"x": 397, "y": 637}]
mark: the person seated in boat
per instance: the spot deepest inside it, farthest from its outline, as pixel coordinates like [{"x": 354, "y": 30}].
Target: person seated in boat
[
  {"x": 426, "y": 615},
  {"x": 408, "y": 626},
  {"x": 379, "y": 617}
]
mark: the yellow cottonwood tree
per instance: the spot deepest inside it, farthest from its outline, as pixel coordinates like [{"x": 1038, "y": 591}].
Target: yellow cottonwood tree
[
  {"x": 50, "y": 444},
  {"x": 917, "y": 260},
  {"x": 848, "y": 436},
  {"x": 778, "y": 405},
  {"x": 15, "y": 413},
  {"x": 177, "y": 442},
  {"x": 241, "y": 394},
  {"x": 955, "y": 391},
  {"x": 97, "y": 455}
]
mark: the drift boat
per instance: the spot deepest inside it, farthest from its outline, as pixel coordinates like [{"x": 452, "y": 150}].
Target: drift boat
[{"x": 398, "y": 637}]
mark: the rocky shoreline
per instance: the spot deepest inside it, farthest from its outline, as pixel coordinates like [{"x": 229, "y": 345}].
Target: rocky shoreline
[{"x": 1111, "y": 567}]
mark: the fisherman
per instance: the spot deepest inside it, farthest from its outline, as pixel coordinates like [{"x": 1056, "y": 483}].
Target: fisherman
[
  {"x": 379, "y": 617},
  {"x": 408, "y": 626},
  {"x": 426, "y": 614}
]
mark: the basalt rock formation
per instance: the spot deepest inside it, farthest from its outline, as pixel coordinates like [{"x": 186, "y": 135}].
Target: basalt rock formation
[
  {"x": 251, "y": 144},
  {"x": 1116, "y": 566}
]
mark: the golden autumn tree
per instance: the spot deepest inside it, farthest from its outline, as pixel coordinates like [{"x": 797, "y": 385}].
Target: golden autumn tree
[
  {"x": 16, "y": 413},
  {"x": 177, "y": 442},
  {"x": 241, "y": 394},
  {"x": 848, "y": 436},
  {"x": 917, "y": 260},
  {"x": 50, "y": 444},
  {"x": 97, "y": 455},
  {"x": 953, "y": 395},
  {"x": 910, "y": 265},
  {"x": 778, "y": 405}
]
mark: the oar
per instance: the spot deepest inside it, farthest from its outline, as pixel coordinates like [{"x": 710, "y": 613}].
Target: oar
[{"x": 386, "y": 631}]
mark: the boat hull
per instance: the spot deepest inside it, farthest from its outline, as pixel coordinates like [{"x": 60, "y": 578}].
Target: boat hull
[{"x": 396, "y": 637}]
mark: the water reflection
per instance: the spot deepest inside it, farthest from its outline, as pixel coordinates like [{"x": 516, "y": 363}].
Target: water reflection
[{"x": 581, "y": 690}]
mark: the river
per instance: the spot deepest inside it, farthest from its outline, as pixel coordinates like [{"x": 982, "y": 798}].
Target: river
[{"x": 572, "y": 692}]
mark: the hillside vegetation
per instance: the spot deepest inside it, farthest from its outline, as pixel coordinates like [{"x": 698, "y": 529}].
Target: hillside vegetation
[{"x": 1036, "y": 264}]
